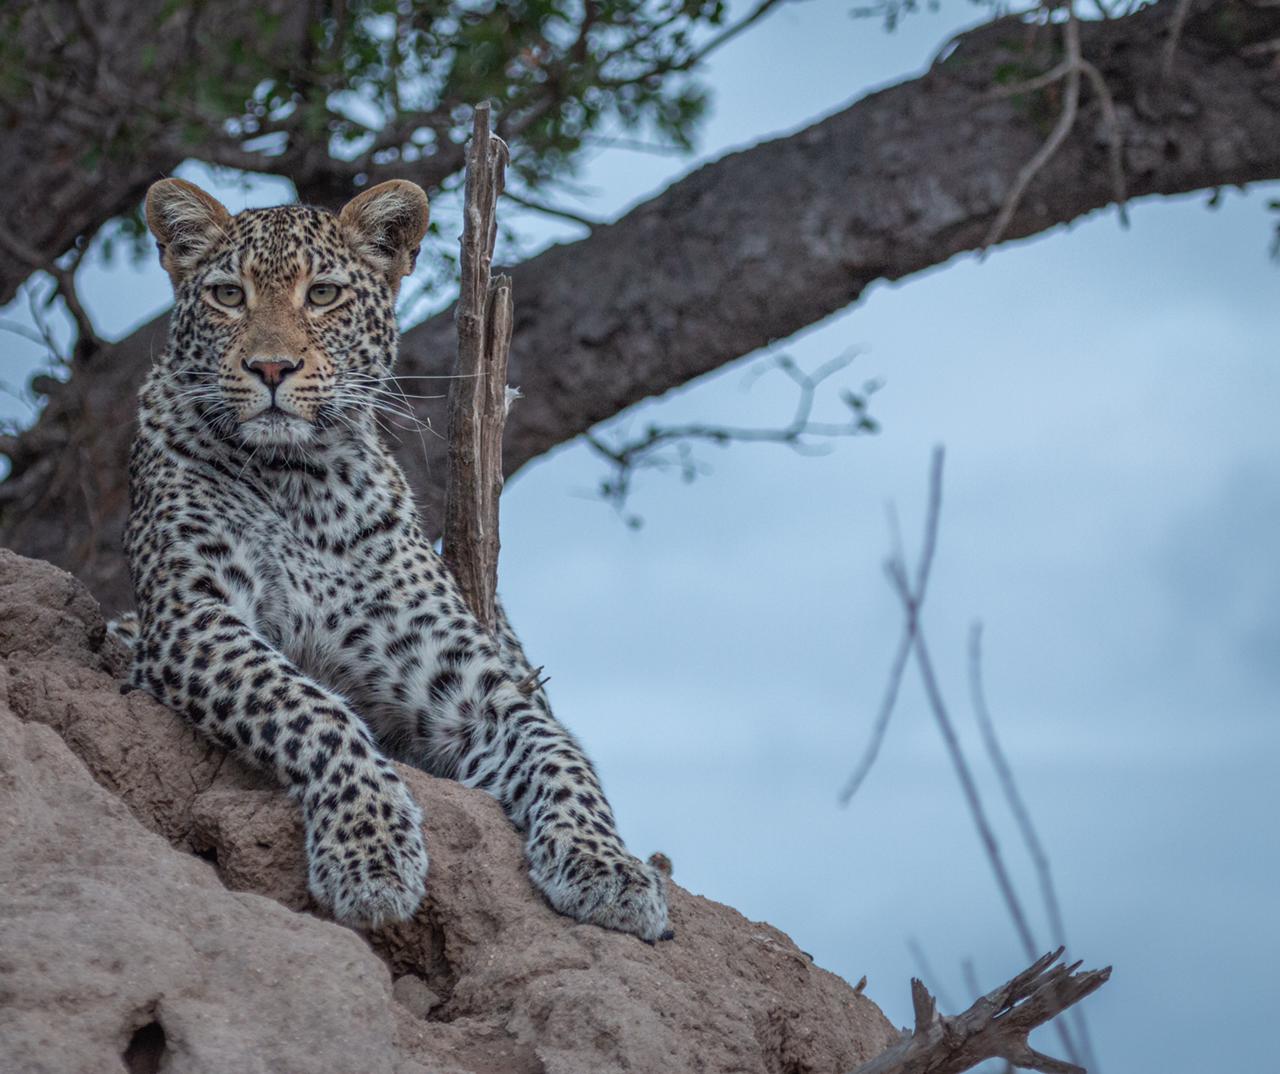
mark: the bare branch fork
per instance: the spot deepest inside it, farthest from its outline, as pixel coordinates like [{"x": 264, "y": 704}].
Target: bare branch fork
[
  {"x": 996, "y": 1026},
  {"x": 915, "y": 599},
  {"x": 1018, "y": 807},
  {"x": 64, "y": 285},
  {"x": 478, "y": 395},
  {"x": 802, "y": 434},
  {"x": 911, "y": 597}
]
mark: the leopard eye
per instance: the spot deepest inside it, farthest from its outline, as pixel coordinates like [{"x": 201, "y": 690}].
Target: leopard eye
[
  {"x": 228, "y": 294},
  {"x": 323, "y": 294}
]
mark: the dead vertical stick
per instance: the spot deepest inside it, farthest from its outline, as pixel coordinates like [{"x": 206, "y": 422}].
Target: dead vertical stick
[{"x": 478, "y": 394}]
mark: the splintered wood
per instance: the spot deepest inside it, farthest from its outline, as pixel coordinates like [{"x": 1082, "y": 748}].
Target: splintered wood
[
  {"x": 478, "y": 394},
  {"x": 996, "y": 1026}
]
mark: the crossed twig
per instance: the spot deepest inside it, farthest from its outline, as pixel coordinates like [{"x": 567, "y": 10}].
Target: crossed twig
[{"x": 911, "y": 595}]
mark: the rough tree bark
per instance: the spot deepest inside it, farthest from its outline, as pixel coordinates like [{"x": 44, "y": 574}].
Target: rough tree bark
[
  {"x": 706, "y": 271},
  {"x": 478, "y": 397}
]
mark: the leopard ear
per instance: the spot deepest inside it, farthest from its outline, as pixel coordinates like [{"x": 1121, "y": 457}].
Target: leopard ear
[
  {"x": 185, "y": 221},
  {"x": 385, "y": 224}
]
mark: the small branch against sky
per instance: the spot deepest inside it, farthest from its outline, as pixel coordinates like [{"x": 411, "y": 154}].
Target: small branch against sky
[
  {"x": 670, "y": 447},
  {"x": 37, "y": 310},
  {"x": 547, "y": 209},
  {"x": 899, "y": 665},
  {"x": 1018, "y": 807},
  {"x": 968, "y": 784},
  {"x": 64, "y": 286},
  {"x": 911, "y": 596}
]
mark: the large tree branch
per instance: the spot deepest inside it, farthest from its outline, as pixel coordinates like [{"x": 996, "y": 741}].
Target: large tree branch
[{"x": 762, "y": 243}]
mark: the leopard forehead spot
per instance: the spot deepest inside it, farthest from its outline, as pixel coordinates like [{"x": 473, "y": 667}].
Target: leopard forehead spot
[{"x": 275, "y": 246}]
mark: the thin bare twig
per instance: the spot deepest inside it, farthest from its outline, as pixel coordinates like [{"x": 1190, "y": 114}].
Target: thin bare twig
[
  {"x": 1022, "y": 815},
  {"x": 24, "y": 331},
  {"x": 1262, "y": 48},
  {"x": 636, "y": 145},
  {"x": 911, "y": 598},
  {"x": 730, "y": 32},
  {"x": 1066, "y": 120},
  {"x": 762, "y": 8},
  {"x": 802, "y": 434},
  {"x": 1115, "y": 145},
  {"x": 996, "y": 1026},
  {"x": 899, "y": 665},
  {"x": 967, "y": 784},
  {"x": 552, "y": 210},
  {"x": 1069, "y": 71},
  {"x": 1176, "y": 23},
  {"x": 881, "y": 726},
  {"x": 969, "y": 787},
  {"x": 64, "y": 279},
  {"x": 36, "y": 308},
  {"x": 1031, "y": 85}
]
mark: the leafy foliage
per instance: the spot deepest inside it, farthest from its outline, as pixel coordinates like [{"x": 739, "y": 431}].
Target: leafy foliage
[{"x": 357, "y": 85}]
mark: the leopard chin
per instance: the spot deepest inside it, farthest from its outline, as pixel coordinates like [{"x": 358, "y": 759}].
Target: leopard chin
[{"x": 274, "y": 427}]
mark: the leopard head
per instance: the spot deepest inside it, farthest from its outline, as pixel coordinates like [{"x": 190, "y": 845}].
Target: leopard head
[{"x": 284, "y": 319}]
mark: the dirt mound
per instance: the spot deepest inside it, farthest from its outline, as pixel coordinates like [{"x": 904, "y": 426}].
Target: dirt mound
[{"x": 154, "y": 916}]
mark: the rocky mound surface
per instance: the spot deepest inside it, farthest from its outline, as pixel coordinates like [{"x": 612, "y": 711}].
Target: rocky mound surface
[{"x": 154, "y": 917}]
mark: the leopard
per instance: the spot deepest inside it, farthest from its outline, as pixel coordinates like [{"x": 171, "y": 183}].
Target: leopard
[{"x": 289, "y": 602}]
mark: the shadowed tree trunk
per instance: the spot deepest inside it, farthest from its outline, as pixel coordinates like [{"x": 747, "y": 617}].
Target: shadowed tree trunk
[{"x": 753, "y": 247}]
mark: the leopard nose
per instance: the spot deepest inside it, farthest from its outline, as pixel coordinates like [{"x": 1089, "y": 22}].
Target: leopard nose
[{"x": 270, "y": 371}]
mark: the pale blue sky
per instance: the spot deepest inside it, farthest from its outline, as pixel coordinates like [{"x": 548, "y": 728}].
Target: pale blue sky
[{"x": 1108, "y": 401}]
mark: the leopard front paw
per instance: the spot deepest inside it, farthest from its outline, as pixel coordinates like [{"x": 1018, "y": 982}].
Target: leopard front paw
[
  {"x": 366, "y": 856},
  {"x": 612, "y": 890}
]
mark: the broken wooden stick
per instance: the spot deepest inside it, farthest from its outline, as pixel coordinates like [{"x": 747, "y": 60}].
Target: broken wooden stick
[
  {"x": 535, "y": 680},
  {"x": 478, "y": 394},
  {"x": 995, "y": 1027}
]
